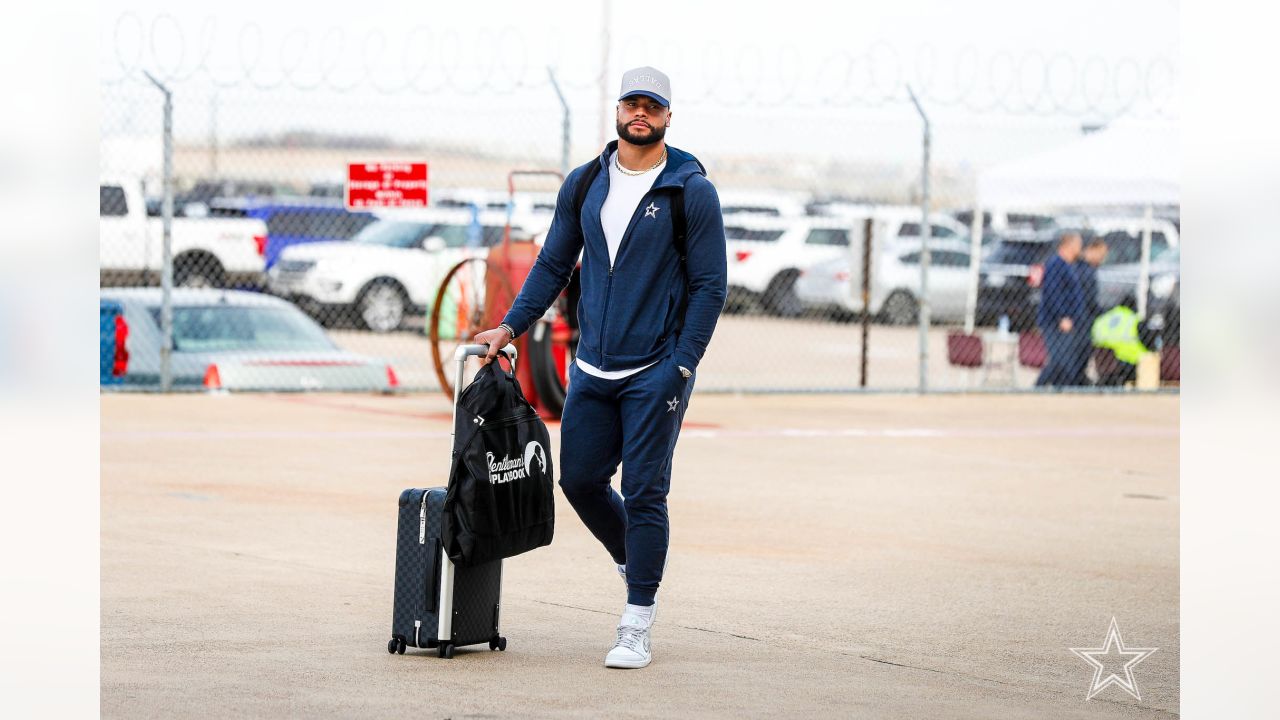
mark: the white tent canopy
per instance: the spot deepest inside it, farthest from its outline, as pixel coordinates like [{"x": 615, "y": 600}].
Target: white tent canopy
[{"x": 1130, "y": 162}]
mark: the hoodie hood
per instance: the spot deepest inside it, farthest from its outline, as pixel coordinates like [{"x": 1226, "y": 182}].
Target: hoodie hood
[{"x": 680, "y": 166}]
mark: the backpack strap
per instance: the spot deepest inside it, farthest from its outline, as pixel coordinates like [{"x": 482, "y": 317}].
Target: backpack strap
[
  {"x": 580, "y": 192},
  {"x": 679, "y": 228}
]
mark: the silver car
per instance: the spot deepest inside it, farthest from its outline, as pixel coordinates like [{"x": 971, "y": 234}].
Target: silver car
[
  {"x": 227, "y": 339},
  {"x": 1118, "y": 281},
  {"x": 895, "y": 283}
]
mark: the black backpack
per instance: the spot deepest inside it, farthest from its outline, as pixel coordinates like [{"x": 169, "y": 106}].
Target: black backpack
[
  {"x": 500, "y": 501},
  {"x": 678, "y": 226}
]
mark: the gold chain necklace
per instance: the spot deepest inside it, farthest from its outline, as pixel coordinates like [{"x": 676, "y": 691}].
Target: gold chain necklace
[{"x": 625, "y": 171}]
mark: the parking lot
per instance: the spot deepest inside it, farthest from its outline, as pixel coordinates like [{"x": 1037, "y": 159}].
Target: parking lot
[
  {"x": 831, "y": 556},
  {"x": 754, "y": 352}
]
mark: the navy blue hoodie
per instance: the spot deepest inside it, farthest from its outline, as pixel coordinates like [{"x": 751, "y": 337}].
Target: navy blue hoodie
[
  {"x": 1060, "y": 295},
  {"x": 643, "y": 307}
]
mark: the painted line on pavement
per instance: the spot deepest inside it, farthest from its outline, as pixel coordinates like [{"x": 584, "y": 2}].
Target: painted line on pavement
[{"x": 701, "y": 433}]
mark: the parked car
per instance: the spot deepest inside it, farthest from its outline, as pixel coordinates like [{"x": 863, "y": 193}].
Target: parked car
[
  {"x": 833, "y": 285},
  {"x": 1164, "y": 313},
  {"x": 1118, "y": 276},
  {"x": 1000, "y": 223},
  {"x": 896, "y": 223},
  {"x": 207, "y": 252},
  {"x": 736, "y": 203},
  {"x": 766, "y": 255},
  {"x": 1119, "y": 284},
  {"x": 293, "y": 220},
  {"x": 1005, "y": 281},
  {"x": 197, "y": 201},
  {"x": 524, "y": 204},
  {"x": 227, "y": 339},
  {"x": 389, "y": 269}
]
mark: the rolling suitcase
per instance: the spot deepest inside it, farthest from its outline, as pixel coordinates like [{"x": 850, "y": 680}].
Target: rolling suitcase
[{"x": 438, "y": 604}]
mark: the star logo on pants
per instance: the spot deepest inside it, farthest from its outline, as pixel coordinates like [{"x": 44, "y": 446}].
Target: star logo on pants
[
  {"x": 672, "y": 403},
  {"x": 1122, "y": 658},
  {"x": 652, "y": 211}
]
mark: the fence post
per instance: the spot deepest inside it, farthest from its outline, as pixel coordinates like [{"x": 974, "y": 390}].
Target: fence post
[
  {"x": 564, "y": 124},
  {"x": 866, "y": 297},
  {"x": 925, "y": 233},
  {"x": 166, "y": 258},
  {"x": 1144, "y": 263},
  {"x": 975, "y": 259}
]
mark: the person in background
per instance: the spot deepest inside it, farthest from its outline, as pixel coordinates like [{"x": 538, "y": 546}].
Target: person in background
[
  {"x": 1086, "y": 267},
  {"x": 1061, "y": 313},
  {"x": 1120, "y": 331}
]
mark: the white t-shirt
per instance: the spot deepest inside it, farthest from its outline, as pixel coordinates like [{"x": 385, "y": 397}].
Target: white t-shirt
[{"x": 625, "y": 192}]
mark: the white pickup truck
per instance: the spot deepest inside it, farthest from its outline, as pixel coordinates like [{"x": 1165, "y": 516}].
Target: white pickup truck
[{"x": 207, "y": 252}]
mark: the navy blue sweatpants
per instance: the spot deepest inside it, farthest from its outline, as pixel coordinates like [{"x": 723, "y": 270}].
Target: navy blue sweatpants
[
  {"x": 1068, "y": 357},
  {"x": 635, "y": 421}
]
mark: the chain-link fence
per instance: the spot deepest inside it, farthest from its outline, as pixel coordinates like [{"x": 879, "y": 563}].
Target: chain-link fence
[{"x": 827, "y": 263}]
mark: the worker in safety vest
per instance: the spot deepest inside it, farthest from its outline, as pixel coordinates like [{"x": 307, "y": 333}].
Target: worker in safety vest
[{"x": 1118, "y": 330}]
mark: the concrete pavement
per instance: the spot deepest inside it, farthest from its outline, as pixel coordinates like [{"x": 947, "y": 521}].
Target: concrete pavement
[{"x": 832, "y": 556}]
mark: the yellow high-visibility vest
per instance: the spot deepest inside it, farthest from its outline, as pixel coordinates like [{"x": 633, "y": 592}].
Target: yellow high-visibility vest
[{"x": 1117, "y": 330}]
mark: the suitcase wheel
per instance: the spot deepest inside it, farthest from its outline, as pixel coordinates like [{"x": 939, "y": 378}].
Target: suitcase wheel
[
  {"x": 445, "y": 651},
  {"x": 400, "y": 646},
  {"x": 498, "y": 643},
  {"x": 392, "y": 645}
]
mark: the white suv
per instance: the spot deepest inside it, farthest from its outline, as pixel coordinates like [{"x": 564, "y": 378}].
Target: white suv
[
  {"x": 767, "y": 254},
  {"x": 738, "y": 203},
  {"x": 899, "y": 222},
  {"x": 391, "y": 268}
]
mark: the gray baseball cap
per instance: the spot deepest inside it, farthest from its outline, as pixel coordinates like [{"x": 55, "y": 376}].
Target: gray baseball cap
[{"x": 647, "y": 81}]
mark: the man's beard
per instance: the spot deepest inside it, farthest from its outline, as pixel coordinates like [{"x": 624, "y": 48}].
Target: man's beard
[{"x": 654, "y": 135}]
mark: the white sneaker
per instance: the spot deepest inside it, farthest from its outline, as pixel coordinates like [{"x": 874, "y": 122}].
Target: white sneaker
[{"x": 631, "y": 649}]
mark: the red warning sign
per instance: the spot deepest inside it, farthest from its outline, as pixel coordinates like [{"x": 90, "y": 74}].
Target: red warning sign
[{"x": 387, "y": 184}]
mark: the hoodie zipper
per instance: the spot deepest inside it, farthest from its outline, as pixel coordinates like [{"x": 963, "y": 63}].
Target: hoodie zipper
[
  {"x": 608, "y": 288},
  {"x": 604, "y": 319}
]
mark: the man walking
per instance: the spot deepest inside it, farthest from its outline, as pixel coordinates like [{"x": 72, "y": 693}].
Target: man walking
[
  {"x": 1091, "y": 258},
  {"x": 1061, "y": 314},
  {"x": 653, "y": 284}
]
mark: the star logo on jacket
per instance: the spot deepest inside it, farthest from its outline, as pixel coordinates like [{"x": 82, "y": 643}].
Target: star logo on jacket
[
  {"x": 651, "y": 211},
  {"x": 672, "y": 403}
]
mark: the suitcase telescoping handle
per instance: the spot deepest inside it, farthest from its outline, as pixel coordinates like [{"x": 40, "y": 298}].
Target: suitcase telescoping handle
[
  {"x": 444, "y": 591},
  {"x": 460, "y": 357}
]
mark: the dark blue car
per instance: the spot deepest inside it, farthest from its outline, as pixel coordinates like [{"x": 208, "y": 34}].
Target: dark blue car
[{"x": 295, "y": 220}]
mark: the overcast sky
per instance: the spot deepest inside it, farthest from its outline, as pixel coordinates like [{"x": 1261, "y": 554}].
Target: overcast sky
[{"x": 998, "y": 77}]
